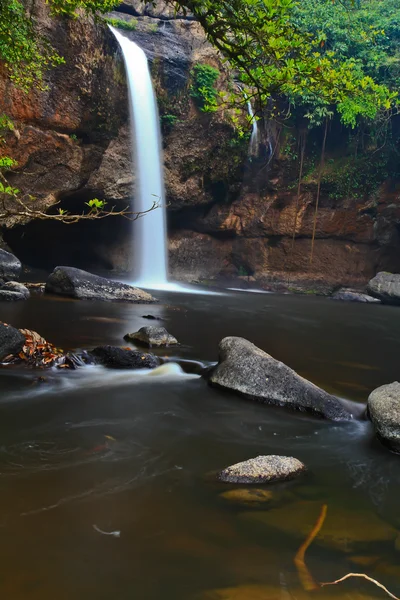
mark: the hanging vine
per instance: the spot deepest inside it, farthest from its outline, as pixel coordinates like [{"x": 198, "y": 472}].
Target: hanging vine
[{"x": 321, "y": 166}]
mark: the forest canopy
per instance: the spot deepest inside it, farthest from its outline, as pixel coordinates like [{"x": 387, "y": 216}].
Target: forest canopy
[{"x": 316, "y": 54}]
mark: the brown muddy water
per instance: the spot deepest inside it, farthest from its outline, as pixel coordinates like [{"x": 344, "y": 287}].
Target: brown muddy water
[{"x": 106, "y": 487}]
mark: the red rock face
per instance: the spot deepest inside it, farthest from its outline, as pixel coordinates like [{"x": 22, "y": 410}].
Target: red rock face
[{"x": 228, "y": 217}]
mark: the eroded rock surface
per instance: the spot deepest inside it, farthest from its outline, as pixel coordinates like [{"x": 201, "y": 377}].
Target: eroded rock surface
[{"x": 251, "y": 372}]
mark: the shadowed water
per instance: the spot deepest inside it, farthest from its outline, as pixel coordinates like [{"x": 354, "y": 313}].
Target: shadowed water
[{"x": 106, "y": 477}]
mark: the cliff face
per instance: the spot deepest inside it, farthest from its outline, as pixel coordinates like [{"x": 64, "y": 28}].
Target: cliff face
[{"x": 228, "y": 216}]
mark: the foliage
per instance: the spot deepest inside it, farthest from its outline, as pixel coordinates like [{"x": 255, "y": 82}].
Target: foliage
[
  {"x": 24, "y": 52},
  {"x": 153, "y": 28},
  {"x": 203, "y": 88},
  {"x": 130, "y": 25},
  {"x": 274, "y": 56},
  {"x": 71, "y": 8}
]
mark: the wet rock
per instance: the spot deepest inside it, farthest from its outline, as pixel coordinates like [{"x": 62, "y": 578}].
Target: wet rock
[
  {"x": 347, "y": 295},
  {"x": 9, "y": 296},
  {"x": 262, "y": 469},
  {"x": 386, "y": 287},
  {"x": 152, "y": 336},
  {"x": 251, "y": 372},
  {"x": 15, "y": 286},
  {"x": 347, "y": 529},
  {"x": 10, "y": 266},
  {"x": 75, "y": 283},
  {"x": 11, "y": 341},
  {"x": 248, "y": 497},
  {"x": 121, "y": 358},
  {"x": 152, "y": 318},
  {"x": 384, "y": 412}
]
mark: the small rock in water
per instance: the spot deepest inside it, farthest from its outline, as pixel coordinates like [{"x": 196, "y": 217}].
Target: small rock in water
[
  {"x": 152, "y": 318},
  {"x": 262, "y": 469},
  {"x": 11, "y": 341},
  {"x": 152, "y": 336},
  {"x": 253, "y": 497},
  {"x": 384, "y": 411},
  {"x": 120, "y": 358},
  {"x": 10, "y": 266}
]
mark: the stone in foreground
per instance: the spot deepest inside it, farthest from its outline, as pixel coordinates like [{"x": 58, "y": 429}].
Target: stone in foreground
[
  {"x": 121, "y": 358},
  {"x": 152, "y": 336},
  {"x": 386, "y": 287},
  {"x": 263, "y": 469},
  {"x": 75, "y": 283},
  {"x": 251, "y": 372},
  {"x": 384, "y": 412},
  {"x": 346, "y": 295},
  {"x": 10, "y": 266},
  {"x": 14, "y": 288},
  {"x": 11, "y": 341}
]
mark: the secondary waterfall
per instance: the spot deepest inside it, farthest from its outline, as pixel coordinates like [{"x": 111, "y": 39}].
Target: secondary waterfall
[
  {"x": 149, "y": 232},
  {"x": 254, "y": 140}
]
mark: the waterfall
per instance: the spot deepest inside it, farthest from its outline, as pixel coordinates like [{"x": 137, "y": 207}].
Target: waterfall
[
  {"x": 150, "y": 249},
  {"x": 254, "y": 140}
]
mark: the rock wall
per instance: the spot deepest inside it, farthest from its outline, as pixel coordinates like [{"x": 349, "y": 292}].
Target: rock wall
[{"x": 228, "y": 216}]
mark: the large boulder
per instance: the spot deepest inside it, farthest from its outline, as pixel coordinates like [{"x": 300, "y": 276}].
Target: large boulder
[
  {"x": 11, "y": 341},
  {"x": 68, "y": 281},
  {"x": 152, "y": 336},
  {"x": 384, "y": 412},
  {"x": 262, "y": 469},
  {"x": 386, "y": 287},
  {"x": 251, "y": 372},
  {"x": 121, "y": 358},
  {"x": 10, "y": 266},
  {"x": 16, "y": 288}
]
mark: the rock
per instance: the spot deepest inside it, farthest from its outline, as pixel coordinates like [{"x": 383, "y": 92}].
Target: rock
[
  {"x": 252, "y": 497},
  {"x": 386, "y": 287},
  {"x": 251, "y": 372},
  {"x": 384, "y": 412},
  {"x": 152, "y": 336},
  {"x": 349, "y": 529},
  {"x": 68, "y": 281},
  {"x": 347, "y": 295},
  {"x": 10, "y": 266},
  {"x": 9, "y": 296},
  {"x": 121, "y": 358},
  {"x": 262, "y": 469},
  {"x": 152, "y": 318},
  {"x": 11, "y": 340},
  {"x": 15, "y": 286}
]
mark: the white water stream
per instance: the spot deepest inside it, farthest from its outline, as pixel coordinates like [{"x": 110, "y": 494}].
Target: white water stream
[
  {"x": 254, "y": 140},
  {"x": 150, "y": 231}
]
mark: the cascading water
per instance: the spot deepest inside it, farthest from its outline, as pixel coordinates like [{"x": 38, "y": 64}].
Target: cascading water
[{"x": 149, "y": 232}]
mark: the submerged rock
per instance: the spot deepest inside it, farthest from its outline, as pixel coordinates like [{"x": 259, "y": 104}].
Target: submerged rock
[
  {"x": 249, "y": 497},
  {"x": 152, "y": 336},
  {"x": 75, "y": 283},
  {"x": 384, "y": 412},
  {"x": 10, "y": 266},
  {"x": 352, "y": 296},
  {"x": 122, "y": 358},
  {"x": 10, "y": 296},
  {"x": 262, "y": 469},
  {"x": 346, "y": 528},
  {"x": 251, "y": 372},
  {"x": 15, "y": 286},
  {"x": 11, "y": 341},
  {"x": 386, "y": 287}
]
